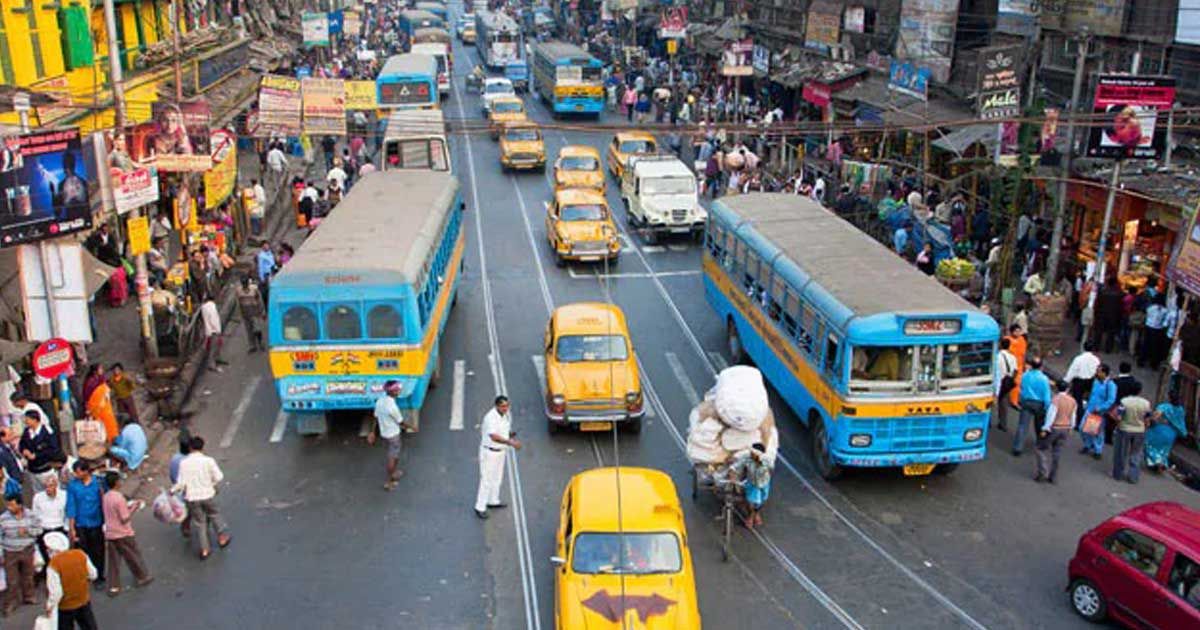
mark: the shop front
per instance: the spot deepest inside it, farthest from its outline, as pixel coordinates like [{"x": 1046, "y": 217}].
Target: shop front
[{"x": 1141, "y": 234}]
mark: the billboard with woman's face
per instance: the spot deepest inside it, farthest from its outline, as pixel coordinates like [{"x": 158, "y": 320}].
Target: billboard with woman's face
[
  {"x": 1127, "y": 110},
  {"x": 176, "y": 140}
]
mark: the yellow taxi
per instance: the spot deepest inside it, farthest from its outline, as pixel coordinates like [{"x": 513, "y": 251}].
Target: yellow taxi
[
  {"x": 578, "y": 166},
  {"x": 579, "y": 226},
  {"x": 468, "y": 34},
  {"x": 522, "y": 146},
  {"x": 592, "y": 376},
  {"x": 621, "y": 559},
  {"x": 628, "y": 143},
  {"x": 505, "y": 109}
]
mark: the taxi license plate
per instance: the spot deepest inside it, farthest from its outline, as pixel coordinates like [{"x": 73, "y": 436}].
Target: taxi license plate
[
  {"x": 681, "y": 230},
  {"x": 588, "y": 258},
  {"x": 595, "y": 426},
  {"x": 916, "y": 470}
]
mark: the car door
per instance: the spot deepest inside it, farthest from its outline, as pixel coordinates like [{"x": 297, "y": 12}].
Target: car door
[
  {"x": 1181, "y": 596},
  {"x": 1131, "y": 584},
  {"x": 612, "y": 156}
]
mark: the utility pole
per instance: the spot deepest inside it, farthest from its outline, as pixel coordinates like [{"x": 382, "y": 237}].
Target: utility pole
[
  {"x": 175, "y": 46},
  {"x": 1060, "y": 203}
]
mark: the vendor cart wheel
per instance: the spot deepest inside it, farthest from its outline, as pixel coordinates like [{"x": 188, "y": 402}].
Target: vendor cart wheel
[
  {"x": 727, "y": 535},
  {"x": 822, "y": 457},
  {"x": 736, "y": 352}
]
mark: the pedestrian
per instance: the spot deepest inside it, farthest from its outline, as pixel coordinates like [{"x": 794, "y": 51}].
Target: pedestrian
[
  {"x": 264, "y": 265},
  {"x": 1157, "y": 333},
  {"x": 19, "y": 532},
  {"x": 1053, "y": 433},
  {"x": 213, "y": 340},
  {"x": 629, "y": 99},
  {"x": 1167, "y": 425},
  {"x": 1125, "y": 382},
  {"x": 925, "y": 260},
  {"x": 131, "y": 444},
  {"x": 1108, "y": 314},
  {"x": 328, "y": 144},
  {"x": 85, "y": 514},
  {"x": 1006, "y": 380},
  {"x": 497, "y": 437},
  {"x": 199, "y": 475},
  {"x": 120, "y": 537},
  {"x": 40, "y": 449},
  {"x": 250, "y": 304},
  {"x": 1100, "y": 400},
  {"x": 122, "y": 388},
  {"x": 1034, "y": 400},
  {"x": 67, "y": 575},
  {"x": 21, "y": 404},
  {"x": 1081, "y": 373},
  {"x": 259, "y": 211},
  {"x": 901, "y": 239},
  {"x": 391, "y": 427},
  {"x": 1129, "y": 439},
  {"x": 50, "y": 510},
  {"x": 185, "y": 527},
  {"x": 755, "y": 475}
]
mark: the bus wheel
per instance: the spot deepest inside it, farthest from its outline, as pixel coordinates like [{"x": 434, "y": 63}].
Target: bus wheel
[
  {"x": 736, "y": 352},
  {"x": 945, "y": 469},
  {"x": 822, "y": 458}
]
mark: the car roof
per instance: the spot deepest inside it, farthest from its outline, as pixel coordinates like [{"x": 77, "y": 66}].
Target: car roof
[
  {"x": 496, "y": 80},
  {"x": 595, "y": 318},
  {"x": 575, "y": 196},
  {"x": 578, "y": 149},
  {"x": 657, "y": 165},
  {"x": 635, "y": 135},
  {"x": 1177, "y": 523},
  {"x": 648, "y": 501}
]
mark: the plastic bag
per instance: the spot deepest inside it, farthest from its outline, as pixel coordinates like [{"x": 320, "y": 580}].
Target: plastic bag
[
  {"x": 740, "y": 397},
  {"x": 169, "y": 508},
  {"x": 46, "y": 621}
]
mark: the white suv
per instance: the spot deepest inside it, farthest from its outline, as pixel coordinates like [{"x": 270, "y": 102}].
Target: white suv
[
  {"x": 493, "y": 87},
  {"x": 660, "y": 197}
]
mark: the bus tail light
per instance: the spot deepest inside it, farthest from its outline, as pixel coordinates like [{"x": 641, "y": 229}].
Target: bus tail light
[
  {"x": 860, "y": 440},
  {"x": 972, "y": 435}
]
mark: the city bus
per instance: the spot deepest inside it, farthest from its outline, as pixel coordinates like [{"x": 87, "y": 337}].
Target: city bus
[
  {"x": 407, "y": 81},
  {"x": 415, "y": 139},
  {"x": 366, "y": 297},
  {"x": 413, "y": 19},
  {"x": 498, "y": 39},
  {"x": 445, "y": 64},
  {"x": 436, "y": 8},
  {"x": 567, "y": 78},
  {"x": 885, "y": 366}
]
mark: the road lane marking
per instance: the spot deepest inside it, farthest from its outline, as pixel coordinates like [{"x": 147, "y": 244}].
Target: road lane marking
[
  {"x": 539, "y": 366},
  {"x": 678, "y": 247},
  {"x": 239, "y": 412},
  {"x": 653, "y": 249},
  {"x": 458, "y": 395},
  {"x": 684, "y": 382},
  {"x": 280, "y": 426},
  {"x": 718, "y": 360}
]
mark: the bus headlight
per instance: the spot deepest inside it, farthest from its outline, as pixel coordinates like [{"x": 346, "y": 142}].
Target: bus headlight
[
  {"x": 860, "y": 440},
  {"x": 972, "y": 435}
]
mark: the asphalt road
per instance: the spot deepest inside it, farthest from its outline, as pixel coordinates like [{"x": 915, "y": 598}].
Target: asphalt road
[{"x": 319, "y": 544}]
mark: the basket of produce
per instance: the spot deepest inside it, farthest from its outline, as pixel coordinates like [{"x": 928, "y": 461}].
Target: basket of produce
[{"x": 955, "y": 273}]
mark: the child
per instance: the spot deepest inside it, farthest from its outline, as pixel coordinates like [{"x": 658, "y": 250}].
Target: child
[{"x": 122, "y": 390}]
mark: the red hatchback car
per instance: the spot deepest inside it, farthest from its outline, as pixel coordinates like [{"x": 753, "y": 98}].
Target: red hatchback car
[{"x": 1141, "y": 568}]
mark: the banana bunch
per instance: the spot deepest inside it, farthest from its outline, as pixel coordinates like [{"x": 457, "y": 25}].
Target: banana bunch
[{"x": 955, "y": 269}]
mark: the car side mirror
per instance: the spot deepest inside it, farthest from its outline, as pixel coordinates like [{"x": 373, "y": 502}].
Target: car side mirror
[{"x": 558, "y": 561}]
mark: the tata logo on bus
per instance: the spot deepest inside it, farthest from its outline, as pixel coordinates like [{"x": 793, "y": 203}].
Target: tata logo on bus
[{"x": 932, "y": 326}]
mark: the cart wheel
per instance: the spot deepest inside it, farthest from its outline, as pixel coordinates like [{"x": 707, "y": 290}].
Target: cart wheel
[
  {"x": 695, "y": 484},
  {"x": 728, "y": 531}
]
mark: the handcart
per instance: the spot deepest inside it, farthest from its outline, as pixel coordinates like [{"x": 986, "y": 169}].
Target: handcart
[{"x": 715, "y": 479}]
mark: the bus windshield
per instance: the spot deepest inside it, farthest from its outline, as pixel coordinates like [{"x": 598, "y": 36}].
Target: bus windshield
[
  {"x": 630, "y": 553},
  {"x": 921, "y": 369},
  {"x": 583, "y": 212},
  {"x": 578, "y": 348}
]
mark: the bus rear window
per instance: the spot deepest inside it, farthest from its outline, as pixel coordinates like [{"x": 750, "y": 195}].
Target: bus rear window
[
  {"x": 384, "y": 322},
  {"x": 342, "y": 322},
  {"x": 299, "y": 324},
  {"x": 416, "y": 154}
]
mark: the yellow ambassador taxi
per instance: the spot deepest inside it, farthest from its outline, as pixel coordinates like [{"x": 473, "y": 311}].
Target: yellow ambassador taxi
[
  {"x": 505, "y": 109},
  {"x": 579, "y": 226},
  {"x": 522, "y": 146},
  {"x": 578, "y": 166},
  {"x": 635, "y": 573},
  {"x": 592, "y": 378},
  {"x": 628, "y": 143}
]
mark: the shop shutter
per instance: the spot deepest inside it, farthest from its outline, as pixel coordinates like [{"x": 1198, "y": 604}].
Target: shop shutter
[{"x": 78, "y": 51}]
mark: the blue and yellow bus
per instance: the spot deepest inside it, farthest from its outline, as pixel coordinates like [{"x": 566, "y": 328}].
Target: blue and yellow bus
[
  {"x": 436, "y": 8},
  {"x": 497, "y": 38},
  {"x": 413, "y": 19},
  {"x": 355, "y": 308},
  {"x": 568, "y": 79},
  {"x": 885, "y": 365},
  {"x": 407, "y": 81}
]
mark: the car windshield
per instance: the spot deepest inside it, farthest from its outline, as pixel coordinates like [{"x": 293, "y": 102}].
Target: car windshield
[
  {"x": 637, "y": 146},
  {"x": 499, "y": 88},
  {"x": 508, "y": 107},
  {"x": 629, "y": 553},
  {"x": 579, "y": 163},
  {"x": 577, "y": 348},
  {"x": 668, "y": 186},
  {"x": 582, "y": 212},
  {"x": 522, "y": 135},
  {"x": 938, "y": 368}
]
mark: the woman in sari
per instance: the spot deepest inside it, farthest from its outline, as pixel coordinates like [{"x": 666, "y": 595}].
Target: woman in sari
[
  {"x": 1168, "y": 425},
  {"x": 100, "y": 407}
]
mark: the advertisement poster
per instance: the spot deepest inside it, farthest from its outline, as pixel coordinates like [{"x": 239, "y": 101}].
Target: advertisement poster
[
  {"x": 324, "y": 106},
  {"x": 1184, "y": 268},
  {"x": 361, "y": 95},
  {"x": 335, "y": 22},
  {"x": 926, "y": 35},
  {"x": 128, "y": 184},
  {"x": 177, "y": 139},
  {"x": 824, "y": 25},
  {"x": 45, "y": 187},
  {"x": 315, "y": 27},
  {"x": 279, "y": 105},
  {"x": 351, "y": 23},
  {"x": 762, "y": 59},
  {"x": 1127, "y": 107},
  {"x": 999, "y": 86},
  {"x": 1097, "y": 17},
  {"x": 219, "y": 181},
  {"x": 1187, "y": 24},
  {"x": 735, "y": 60},
  {"x": 138, "y": 229},
  {"x": 906, "y": 78},
  {"x": 855, "y": 19},
  {"x": 673, "y": 22}
]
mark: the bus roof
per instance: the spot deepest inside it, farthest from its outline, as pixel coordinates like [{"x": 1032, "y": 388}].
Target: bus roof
[
  {"x": 439, "y": 33},
  {"x": 850, "y": 266},
  {"x": 558, "y": 50},
  {"x": 410, "y": 63},
  {"x": 497, "y": 21},
  {"x": 415, "y": 122},
  {"x": 382, "y": 231},
  {"x": 413, "y": 15}
]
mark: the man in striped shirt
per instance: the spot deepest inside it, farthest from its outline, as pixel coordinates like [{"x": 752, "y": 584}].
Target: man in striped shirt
[{"x": 19, "y": 531}]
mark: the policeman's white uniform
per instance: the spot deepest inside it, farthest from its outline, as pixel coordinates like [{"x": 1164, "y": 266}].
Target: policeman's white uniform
[{"x": 491, "y": 458}]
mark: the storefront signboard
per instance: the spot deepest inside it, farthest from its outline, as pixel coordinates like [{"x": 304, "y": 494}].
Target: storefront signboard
[
  {"x": 221, "y": 178},
  {"x": 999, "y": 85},
  {"x": 279, "y": 105},
  {"x": 351, "y": 23},
  {"x": 1096, "y": 17},
  {"x": 735, "y": 61},
  {"x": 1128, "y": 108},
  {"x": 855, "y": 19},
  {"x": 926, "y": 35},
  {"x": 315, "y": 27},
  {"x": 138, "y": 229},
  {"x": 673, "y": 23},
  {"x": 361, "y": 95},
  {"x": 324, "y": 106},
  {"x": 824, "y": 25},
  {"x": 817, "y": 93},
  {"x": 1184, "y": 268},
  {"x": 335, "y": 22},
  {"x": 44, "y": 184}
]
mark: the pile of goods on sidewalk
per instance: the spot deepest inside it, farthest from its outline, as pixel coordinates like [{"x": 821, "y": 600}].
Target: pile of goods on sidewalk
[
  {"x": 1047, "y": 317},
  {"x": 734, "y": 415}
]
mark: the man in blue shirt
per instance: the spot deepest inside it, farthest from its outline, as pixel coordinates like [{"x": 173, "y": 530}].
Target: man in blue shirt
[
  {"x": 1033, "y": 400},
  {"x": 1102, "y": 398},
  {"x": 264, "y": 263},
  {"x": 85, "y": 515},
  {"x": 130, "y": 446},
  {"x": 900, "y": 239}
]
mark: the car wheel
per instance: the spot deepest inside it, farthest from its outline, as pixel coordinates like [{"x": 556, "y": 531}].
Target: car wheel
[
  {"x": 1088, "y": 601},
  {"x": 613, "y": 260},
  {"x": 822, "y": 457}
]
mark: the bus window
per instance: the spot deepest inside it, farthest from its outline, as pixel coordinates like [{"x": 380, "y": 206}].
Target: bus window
[
  {"x": 882, "y": 363},
  {"x": 791, "y": 313},
  {"x": 808, "y": 325},
  {"x": 775, "y": 303},
  {"x": 342, "y": 322},
  {"x": 299, "y": 324},
  {"x": 739, "y": 256},
  {"x": 384, "y": 322},
  {"x": 729, "y": 248},
  {"x": 750, "y": 276},
  {"x": 833, "y": 363}
]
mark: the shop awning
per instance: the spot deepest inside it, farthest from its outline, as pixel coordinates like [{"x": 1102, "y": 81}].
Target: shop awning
[
  {"x": 903, "y": 110},
  {"x": 961, "y": 139}
]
